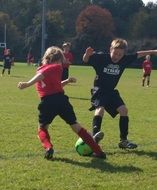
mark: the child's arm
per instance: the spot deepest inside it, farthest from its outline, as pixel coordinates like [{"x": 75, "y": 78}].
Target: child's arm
[
  {"x": 67, "y": 81},
  {"x": 88, "y": 53},
  {"x": 36, "y": 78},
  {"x": 147, "y": 52}
]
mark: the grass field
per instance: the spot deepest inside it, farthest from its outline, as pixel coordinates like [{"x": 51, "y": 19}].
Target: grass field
[{"x": 22, "y": 166}]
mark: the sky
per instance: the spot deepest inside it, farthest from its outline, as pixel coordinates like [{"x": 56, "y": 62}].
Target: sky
[{"x": 146, "y": 1}]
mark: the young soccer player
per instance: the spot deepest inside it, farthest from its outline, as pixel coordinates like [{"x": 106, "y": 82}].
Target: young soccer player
[
  {"x": 109, "y": 68},
  {"x": 69, "y": 59},
  {"x": 147, "y": 68},
  {"x": 8, "y": 61},
  {"x": 54, "y": 102},
  {"x": 30, "y": 58}
]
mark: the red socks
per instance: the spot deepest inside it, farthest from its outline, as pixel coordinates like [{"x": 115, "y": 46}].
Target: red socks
[
  {"x": 89, "y": 140},
  {"x": 44, "y": 137},
  {"x": 46, "y": 143}
]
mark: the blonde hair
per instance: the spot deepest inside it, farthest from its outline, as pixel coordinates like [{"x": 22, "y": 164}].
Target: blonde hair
[
  {"x": 119, "y": 44},
  {"x": 53, "y": 54},
  {"x": 66, "y": 44},
  {"x": 148, "y": 57}
]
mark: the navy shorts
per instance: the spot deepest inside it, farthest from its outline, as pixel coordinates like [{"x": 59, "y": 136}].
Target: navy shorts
[
  {"x": 110, "y": 101},
  {"x": 7, "y": 66},
  {"x": 53, "y": 105}
]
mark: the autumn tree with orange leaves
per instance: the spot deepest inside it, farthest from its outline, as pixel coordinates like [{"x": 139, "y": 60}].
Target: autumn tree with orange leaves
[{"x": 96, "y": 24}]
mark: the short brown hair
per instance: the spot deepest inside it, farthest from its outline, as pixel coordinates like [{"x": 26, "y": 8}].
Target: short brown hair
[{"x": 119, "y": 43}]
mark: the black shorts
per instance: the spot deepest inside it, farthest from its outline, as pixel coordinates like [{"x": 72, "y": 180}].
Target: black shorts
[
  {"x": 146, "y": 75},
  {"x": 110, "y": 101},
  {"x": 7, "y": 66},
  {"x": 53, "y": 105}
]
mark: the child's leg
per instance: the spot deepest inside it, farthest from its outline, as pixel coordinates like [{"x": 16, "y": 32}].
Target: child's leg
[
  {"x": 123, "y": 122},
  {"x": 8, "y": 71},
  {"x": 44, "y": 137},
  {"x": 3, "y": 71},
  {"x": 87, "y": 138},
  {"x": 143, "y": 80},
  {"x": 123, "y": 126},
  {"x": 97, "y": 120},
  {"x": 148, "y": 80}
]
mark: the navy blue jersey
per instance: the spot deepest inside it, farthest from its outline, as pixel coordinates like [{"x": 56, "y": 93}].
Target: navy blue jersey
[
  {"x": 107, "y": 72},
  {"x": 8, "y": 59}
]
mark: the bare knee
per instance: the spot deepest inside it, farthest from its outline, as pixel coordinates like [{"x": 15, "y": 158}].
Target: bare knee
[
  {"x": 76, "y": 127},
  {"x": 42, "y": 126},
  {"x": 99, "y": 111},
  {"x": 123, "y": 111}
]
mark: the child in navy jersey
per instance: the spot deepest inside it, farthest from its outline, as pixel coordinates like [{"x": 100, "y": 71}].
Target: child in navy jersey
[
  {"x": 8, "y": 61},
  {"x": 109, "y": 68},
  {"x": 54, "y": 102}
]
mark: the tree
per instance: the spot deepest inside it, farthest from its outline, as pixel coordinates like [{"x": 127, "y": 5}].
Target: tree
[
  {"x": 13, "y": 36},
  {"x": 96, "y": 23}
]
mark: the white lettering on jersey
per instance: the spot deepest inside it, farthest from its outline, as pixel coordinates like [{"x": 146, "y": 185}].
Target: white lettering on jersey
[
  {"x": 112, "y": 69},
  {"x": 42, "y": 84}
]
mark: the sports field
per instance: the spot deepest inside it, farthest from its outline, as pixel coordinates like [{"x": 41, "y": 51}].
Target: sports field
[{"x": 22, "y": 166}]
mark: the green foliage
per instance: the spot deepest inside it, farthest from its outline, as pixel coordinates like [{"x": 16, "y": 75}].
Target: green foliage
[
  {"x": 15, "y": 38},
  {"x": 23, "y": 19},
  {"x": 21, "y": 158}
]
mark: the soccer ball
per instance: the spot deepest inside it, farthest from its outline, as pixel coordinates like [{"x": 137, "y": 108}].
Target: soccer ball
[{"x": 82, "y": 148}]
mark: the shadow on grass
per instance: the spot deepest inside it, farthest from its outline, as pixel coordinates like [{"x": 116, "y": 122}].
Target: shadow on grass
[
  {"x": 139, "y": 153},
  {"x": 144, "y": 153},
  {"x": 102, "y": 165}
]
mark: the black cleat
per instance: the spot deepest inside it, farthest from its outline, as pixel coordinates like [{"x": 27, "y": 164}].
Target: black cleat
[
  {"x": 98, "y": 136},
  {"x": 49, "y": 154},
  {"x": 125, "y": 144},
  {"x": 101, "y": 155}
]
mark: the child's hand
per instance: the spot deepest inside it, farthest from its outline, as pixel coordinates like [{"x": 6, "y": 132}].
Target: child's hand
[
  {"x": 89, "y": 51},
  {"x": 72, "y": 80},
  {"x": 22, "y": 85}
]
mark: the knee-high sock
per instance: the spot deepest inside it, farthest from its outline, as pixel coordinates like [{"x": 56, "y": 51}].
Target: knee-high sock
[
  {"x": 97, "y": 120},
  {"x": 89, "y": 140},
  {"x": 44, "y": 138},
  {"x": 123, "y": 126}
]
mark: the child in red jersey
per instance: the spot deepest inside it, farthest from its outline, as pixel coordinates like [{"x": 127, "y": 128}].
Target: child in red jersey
[
  {"x": 69, "y": 59},
  {"x": 147, "y": 68},
  {"x": 30, "y": 58},
  {"x": 54, "y": 102}
]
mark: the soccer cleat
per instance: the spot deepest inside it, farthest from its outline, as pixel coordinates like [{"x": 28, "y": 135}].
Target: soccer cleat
[
  {"x": 98, "y": 136},
  {"x": 125, "y": 144},
  {"x": 49, "y": 154},
  {"x": 101, "y": 155}
]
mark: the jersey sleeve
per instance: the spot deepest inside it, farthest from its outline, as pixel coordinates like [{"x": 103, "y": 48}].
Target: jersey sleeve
[{"x": 95, "y": 59}]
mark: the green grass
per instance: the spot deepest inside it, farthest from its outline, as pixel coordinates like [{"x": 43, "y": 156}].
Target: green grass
[{"x": 22, "y": 166}]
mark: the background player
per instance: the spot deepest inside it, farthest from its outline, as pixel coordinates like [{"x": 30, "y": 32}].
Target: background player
[{"x": 147, "y": 68}]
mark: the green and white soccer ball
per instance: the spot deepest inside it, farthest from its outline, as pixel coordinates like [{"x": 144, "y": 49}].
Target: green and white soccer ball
[{"x": 82, "y": 148}]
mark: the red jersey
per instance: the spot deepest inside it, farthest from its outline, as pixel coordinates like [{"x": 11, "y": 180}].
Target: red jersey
[
  {"x": 51, "y": 84},
  {"x": 69, "y": 57},
  {"x": 147, "y": 67}
]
